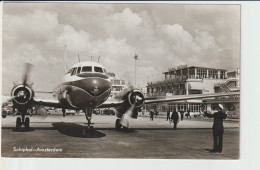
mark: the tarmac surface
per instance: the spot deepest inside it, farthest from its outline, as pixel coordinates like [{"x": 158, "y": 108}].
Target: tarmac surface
[{"x": 55, "y": 136}]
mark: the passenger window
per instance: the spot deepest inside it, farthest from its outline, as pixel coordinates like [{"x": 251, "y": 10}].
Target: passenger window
[
  {"x": 78, "y": 71},
  {"x": 98, "y": 69},
  {"x": 86, "y": 69},
  {"x": 74, "y": 71}
]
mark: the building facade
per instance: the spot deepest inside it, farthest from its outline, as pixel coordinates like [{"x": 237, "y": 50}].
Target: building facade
[
  {"x": 186, "y": 80},
  {"x": 117, "y": 84}
]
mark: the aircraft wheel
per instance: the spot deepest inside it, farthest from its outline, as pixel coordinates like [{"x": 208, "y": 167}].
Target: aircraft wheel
[
  {"x": 27, "y": 123},
  {"x": 91, "y": 128},
  {"x": 18, "y": 123},
  {"x": 125, "y": 129},
  {"x": 88, "y": 131},
  {"x": 91, "y": 131},
  {"x": 118, "y": 124}
]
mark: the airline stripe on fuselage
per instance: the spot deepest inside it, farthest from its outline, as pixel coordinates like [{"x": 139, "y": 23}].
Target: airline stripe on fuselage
[{"x": 93, "y": 85}]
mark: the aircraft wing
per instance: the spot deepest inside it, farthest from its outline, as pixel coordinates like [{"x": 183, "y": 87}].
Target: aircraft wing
[
  {"x": 47, "y": 102},
  {"x": 187, "y": 97},
  {"x": 111, "y": 103},
  {"x": 120, "y": 101}
]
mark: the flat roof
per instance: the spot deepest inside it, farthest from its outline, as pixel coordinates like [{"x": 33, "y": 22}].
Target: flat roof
[{"x": 185, "y": 67}]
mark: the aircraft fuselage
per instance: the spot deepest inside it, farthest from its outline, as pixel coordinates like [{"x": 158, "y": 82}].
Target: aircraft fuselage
[{"x": 84, "y": 89}]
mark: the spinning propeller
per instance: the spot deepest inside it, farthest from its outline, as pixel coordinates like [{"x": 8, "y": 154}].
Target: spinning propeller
[
  {"x": 27, "y": 70},
  {"x": 22, "y": 94},
  {"x": 136, "y": 100}
]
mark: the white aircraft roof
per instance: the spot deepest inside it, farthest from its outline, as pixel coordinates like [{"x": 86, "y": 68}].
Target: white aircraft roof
[{"x": 87, "y": 63}]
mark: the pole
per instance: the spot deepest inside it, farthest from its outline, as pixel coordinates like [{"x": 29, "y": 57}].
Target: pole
[
  {"x": 135, "y": 73},
  {"x": 78, "y": 58},
  {"x": 135, "y": 58}
]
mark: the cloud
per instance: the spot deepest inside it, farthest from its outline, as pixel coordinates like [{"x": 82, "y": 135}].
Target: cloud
[
  {"x": 162, "y": 35},
  {"x": 127, "y": 19}
]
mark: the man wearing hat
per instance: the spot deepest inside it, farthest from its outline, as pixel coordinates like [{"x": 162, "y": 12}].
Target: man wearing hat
[
  {"x": 175, "y": 118},
  {"x": 218, "y": 128}
]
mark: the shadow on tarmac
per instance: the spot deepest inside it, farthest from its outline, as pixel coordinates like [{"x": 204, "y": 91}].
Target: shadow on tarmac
[
  {"x": 129, "y": 130},
  {"x": 76, "y": 130},
  {"x": 23, "y": 130}
]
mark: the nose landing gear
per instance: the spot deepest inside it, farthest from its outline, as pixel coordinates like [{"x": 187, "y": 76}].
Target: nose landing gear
[
  {"x": 88, "y": 130},
  {"x": 22, "y": 121}
]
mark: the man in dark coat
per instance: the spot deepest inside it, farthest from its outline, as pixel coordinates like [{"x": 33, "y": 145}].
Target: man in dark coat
[
  {"x": 218, "y": 128},
  {"x": 188, "y": 114},
  {"x": 151, "y": 114},
  {"x": 182, "y": 114},
  {"x": 168, "y": 114},
  {"x": 175, "y": 118}
]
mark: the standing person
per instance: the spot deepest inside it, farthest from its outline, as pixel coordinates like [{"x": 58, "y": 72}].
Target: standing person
[
  {"x": 151, "y": 114},
  {"x": 156, "y": 112},
  {"x": 175, "y": 118},
  {"x": 168, "y": 114},
  {"x": 182, "y": 114},
  {"x": 188, "y": 113},
  {"x": 218, "y": 128}
]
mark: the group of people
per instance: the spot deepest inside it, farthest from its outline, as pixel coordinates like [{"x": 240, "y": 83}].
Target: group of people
[{"x": 218, "y": 128}]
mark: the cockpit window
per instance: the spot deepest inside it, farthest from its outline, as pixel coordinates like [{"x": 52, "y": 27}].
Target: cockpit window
[
  {"x": 105, "y": 71},
  {"x": 78, "y": 71},
  {"x": 98, "y": 69},
  {"x": 74, "y": 71},
  {"x": 86, "y": 69}
]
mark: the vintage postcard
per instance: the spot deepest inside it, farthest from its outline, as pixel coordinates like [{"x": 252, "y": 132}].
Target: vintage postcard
[{"x": 121, "y": 80}]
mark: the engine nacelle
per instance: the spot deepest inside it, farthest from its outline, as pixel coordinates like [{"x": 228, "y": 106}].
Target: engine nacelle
[
  {"x": 136, "y": 98},
  {"x": 22, "y": 96}
]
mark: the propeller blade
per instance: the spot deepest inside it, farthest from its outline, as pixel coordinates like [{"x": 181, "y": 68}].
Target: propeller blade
[
  {"x": 127, "y": 116},
  {"x": 129, "y": 113},
  {"x": 27, "y": 70}
]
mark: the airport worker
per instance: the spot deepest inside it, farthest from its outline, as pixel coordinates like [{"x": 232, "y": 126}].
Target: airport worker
[
  {"x": 218, "y": 128},
  {"x": 175, "y": 118},
  {"x": 151, "y": 114},
  {"x": 182, "y": 114},
  {"x": 168, "y": 114},
  {"x": 188, "y": 114},
  {"x": 156, "y": 112}
]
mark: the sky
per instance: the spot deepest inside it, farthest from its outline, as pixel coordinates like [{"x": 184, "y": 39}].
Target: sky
[{"x": 162, "y": 35}]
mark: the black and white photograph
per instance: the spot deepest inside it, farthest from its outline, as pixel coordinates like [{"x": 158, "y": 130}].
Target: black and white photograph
[{"x": 121, "y": 80}]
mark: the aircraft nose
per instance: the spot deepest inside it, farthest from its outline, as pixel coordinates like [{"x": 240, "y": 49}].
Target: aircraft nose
[{"x": 97, "y": 87}]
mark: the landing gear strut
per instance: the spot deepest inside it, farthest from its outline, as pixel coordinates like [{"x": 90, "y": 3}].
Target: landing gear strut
[
  {"x": 63, "y": 112},
  {"x": 88, "y": 130},
  {"x": 118, "y": 124},
  {"x": 22, "y": 121}
]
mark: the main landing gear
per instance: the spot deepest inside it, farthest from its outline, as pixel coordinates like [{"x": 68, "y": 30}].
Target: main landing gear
[
  {"x": 119, "y": 126},
  {"x": 88, "y": 129},
  {"x": 23, "y": 121}
]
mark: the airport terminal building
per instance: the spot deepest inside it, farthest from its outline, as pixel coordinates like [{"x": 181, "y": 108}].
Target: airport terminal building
[
  {"x": 186, "y": 80},
  {"x": 118, "y": 84}
]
